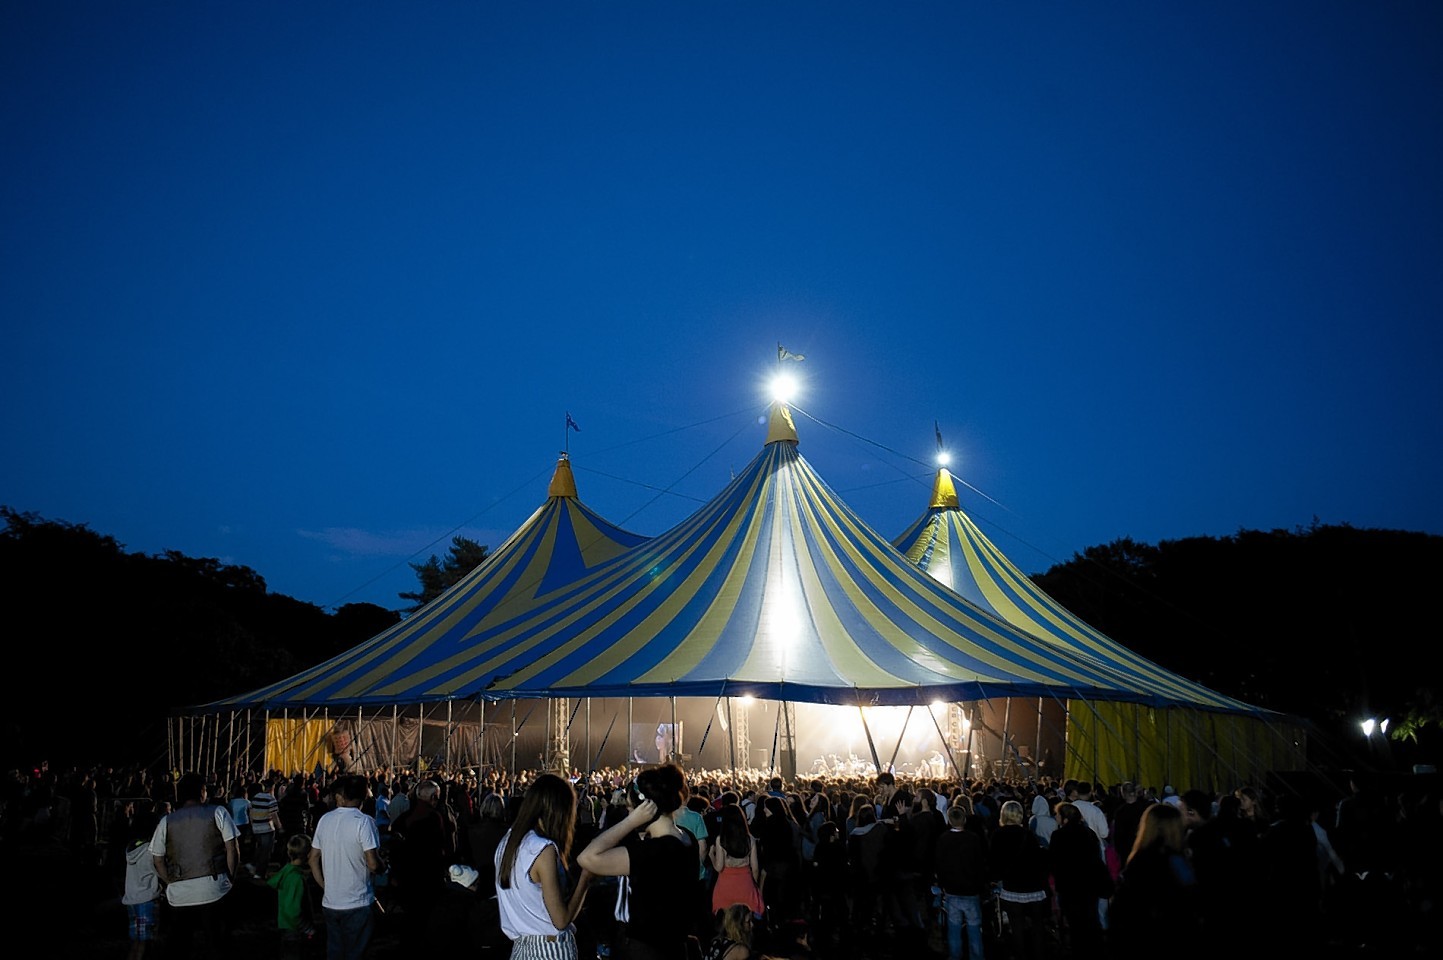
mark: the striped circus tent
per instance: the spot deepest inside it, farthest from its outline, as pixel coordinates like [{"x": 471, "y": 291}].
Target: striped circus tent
[
  {"x": 774, "y": 589},
  {"x": 1197, "y": 729}
]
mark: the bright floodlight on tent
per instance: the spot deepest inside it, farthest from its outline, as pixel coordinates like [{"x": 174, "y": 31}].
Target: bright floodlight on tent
[
  {"x": 784, "y": 387},
  {"x": 943, "y": 458}
]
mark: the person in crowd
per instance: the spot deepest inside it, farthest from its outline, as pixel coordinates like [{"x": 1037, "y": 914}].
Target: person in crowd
[
  {"x": 142, "y": 885},
  {"x": 1255, "y": 809},
  {"x": 457, "y": 923},
  {"x": 1294, "y": 885},
  {"x": 265, "y": 822},
  {"x": 1224, "y": 852},
  {"x": 196, "y": 853},
  {"x": 1124, "y": 821},
  {"x": 344, "y": 858},
  {"x": 422, "y": 846},
  {"x": 1155, "y": 906},
  {"x": 293, "y": 918},
  {"x": 960, "y": 869},
  {"x": 660, "y": 870},
  {"x": 1042, "y": 822},
  {"x": 689, "y": 817},
  {"x": 239, "y": 803},
  {"x": 863, "y": 868},
  {"x": 737, "y": 864},
  {"x": 828, "y": 912},
  {"x": 1018, "y": 864},
  {"x": 733, "y": 937},
  {"x": 486, "y": 832},
  {"x": 1081, "y": 878},
  {"x": 538, "y": 905},
  {"x": 779, "y": 847}
]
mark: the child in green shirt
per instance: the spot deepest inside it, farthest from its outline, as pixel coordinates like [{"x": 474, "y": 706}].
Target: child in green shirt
[{"x": 289, "y": 883}]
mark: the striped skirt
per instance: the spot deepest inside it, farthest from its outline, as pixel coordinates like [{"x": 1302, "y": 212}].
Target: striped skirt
[{"x": 560, "y": 947}]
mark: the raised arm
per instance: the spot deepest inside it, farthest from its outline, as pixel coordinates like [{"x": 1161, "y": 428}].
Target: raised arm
[{"x": 604, "y": 856}]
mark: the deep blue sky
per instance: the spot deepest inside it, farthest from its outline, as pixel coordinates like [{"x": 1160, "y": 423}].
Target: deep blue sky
[{"x": 310, "y": 287}]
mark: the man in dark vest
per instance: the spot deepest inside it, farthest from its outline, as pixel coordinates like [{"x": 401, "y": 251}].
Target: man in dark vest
[{"x": 196, "y": 851}]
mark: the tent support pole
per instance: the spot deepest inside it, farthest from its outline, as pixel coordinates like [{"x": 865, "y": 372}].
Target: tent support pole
[
  {"x": 513, "y": 739},
  {"x": 450, "y": 718},
  {"x": 672, "y": 753},
  {"x": 943, "y": 737},
  {"x": 871, "y": 744},
  {"x": 395, "y": 722},
  {"x": 630, "y": 751},
  {"x": 971, "y": 732},
  {"x": 481, "y": 742},
  {"x": 1007, "y": 752},
  {"x": 776, "y": 732},
  {"x": 1037, "y": 739},
  {"x": 588, "y": 728},
  {"x": 731, "y": 737}
]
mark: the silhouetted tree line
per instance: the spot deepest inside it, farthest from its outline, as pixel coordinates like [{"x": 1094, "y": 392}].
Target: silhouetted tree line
[
  {"x": 103, "y": 643},
  {"x": 1325, "y": 622}
]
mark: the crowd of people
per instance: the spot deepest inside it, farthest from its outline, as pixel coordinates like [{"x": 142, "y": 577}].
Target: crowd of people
[{"x": 654, "y": 863}]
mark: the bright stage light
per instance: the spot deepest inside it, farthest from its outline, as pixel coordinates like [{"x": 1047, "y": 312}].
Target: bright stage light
[
  {"x": 944, "y": 458},
  {"x": 1367, "y": 726},
  {"x": 784, "y": 387}
]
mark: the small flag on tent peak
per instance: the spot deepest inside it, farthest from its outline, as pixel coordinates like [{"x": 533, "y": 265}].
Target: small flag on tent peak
[
  {"x": 571, "y": 424},
  {"x": 784, "y": 354}
]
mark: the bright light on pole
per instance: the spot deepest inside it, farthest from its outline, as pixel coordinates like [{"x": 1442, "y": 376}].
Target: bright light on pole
[
  {"x": 784, "y": 387},
  {"x": 1368, "y": 726}
]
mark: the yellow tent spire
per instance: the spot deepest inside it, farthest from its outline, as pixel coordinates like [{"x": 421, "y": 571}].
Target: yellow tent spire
[
  {"x": 563, "y": 484},
  {"x": 944, "y": 494},
  {"x": 780, "y": 426}
]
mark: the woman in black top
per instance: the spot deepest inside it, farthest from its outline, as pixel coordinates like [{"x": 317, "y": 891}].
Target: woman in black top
[{"x": 660, "y": 870}]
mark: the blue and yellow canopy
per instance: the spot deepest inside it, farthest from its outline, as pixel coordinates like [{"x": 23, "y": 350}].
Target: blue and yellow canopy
[
  {"x": 948, "y": 545},
  {"x": 773, "y": 589}
]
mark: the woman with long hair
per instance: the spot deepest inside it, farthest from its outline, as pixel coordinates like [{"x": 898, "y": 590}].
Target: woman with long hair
[
  {"x": 531, "y": 874},
  {"x": 733, "y": 940},
  {"x": 738, "y": 868},
  {"x": 1155, "y": 906},
  {"x": 779, "y": 848},
  {"x": 660, "y": 870}
]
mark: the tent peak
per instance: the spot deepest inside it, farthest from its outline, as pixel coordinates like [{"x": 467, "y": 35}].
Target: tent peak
[
  {"x": 944, "y": 493},
  {"x": 780, "y": 426},
  {"x": 563, "y": 483}
]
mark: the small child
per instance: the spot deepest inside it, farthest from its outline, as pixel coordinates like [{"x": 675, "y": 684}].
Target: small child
[
  {"x": 142, "y": 884},
  {"x": 289, "y": 883}
]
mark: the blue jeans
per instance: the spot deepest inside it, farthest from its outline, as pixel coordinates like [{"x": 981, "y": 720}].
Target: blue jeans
[
  {"x": 960, "y": 909},
  {"x": 348, "y": 932}
]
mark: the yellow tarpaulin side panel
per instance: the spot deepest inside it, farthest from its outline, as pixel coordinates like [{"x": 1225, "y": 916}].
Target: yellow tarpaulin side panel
[
  {"x": 294, "y": 745},
  {"x": 1112, "y": 742}
]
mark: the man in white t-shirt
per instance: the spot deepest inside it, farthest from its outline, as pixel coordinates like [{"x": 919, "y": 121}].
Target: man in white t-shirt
[{"x": 344, "y": 856}]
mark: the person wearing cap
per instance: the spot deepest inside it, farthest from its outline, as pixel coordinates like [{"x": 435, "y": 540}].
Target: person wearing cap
[
  {"x": 456, "y": 920},
  {"x": 196, "y": 851}
]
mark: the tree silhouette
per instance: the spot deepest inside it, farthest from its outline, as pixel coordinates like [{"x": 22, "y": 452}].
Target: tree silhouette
[{"x": 438, "y": 575}]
